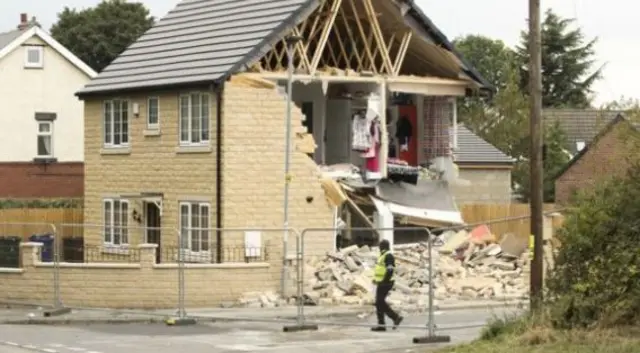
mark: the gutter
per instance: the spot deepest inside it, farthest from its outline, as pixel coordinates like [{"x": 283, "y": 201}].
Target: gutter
[{"x": 219, "y": 89}]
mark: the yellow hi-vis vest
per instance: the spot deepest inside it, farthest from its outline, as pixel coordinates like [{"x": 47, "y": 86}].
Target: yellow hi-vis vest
[
  {"x": 381, "y": 269},
  {"x": 532, "y": 242}
]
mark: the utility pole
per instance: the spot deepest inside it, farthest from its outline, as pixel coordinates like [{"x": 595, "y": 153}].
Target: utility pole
[{"x": 535, "y": 91}]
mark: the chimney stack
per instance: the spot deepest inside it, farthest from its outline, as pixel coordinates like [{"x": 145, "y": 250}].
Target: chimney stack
[{"x": 24, "y": 22}]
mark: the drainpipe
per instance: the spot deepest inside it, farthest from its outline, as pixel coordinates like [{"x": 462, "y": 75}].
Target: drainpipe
[{"x": 219, "y": 91}]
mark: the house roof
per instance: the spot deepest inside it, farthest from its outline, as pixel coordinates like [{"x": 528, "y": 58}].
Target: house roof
[
  {"x": 206, "y": 41},
  {"x": 580, "y": 125},
  {"x": 474, "y": 150},
  {"x": 607, "y": 128},
  {"x": 7, "y": 37},
  {"x": 10, "y": 41}
]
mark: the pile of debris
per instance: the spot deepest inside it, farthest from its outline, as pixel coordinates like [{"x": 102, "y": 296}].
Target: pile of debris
[{"x": 466, "y": 266}]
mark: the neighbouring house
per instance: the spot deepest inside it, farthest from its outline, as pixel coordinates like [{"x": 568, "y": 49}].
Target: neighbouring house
[
  {"x": 41, "y": 139},
  {"x": 579, "y": 125},
  {"x": 484, "y": 172},
  {"x": 186, "y": 128},
  {"x": 605, "y": 155}
]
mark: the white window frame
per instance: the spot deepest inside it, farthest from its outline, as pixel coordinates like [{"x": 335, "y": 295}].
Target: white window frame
[
  {"x": 191, "y": 138},
  {"x": 188, "y": 231},
  {"x": 40, "y": 135},
  {"x": 109, "y": 120},
  {"x": 156, "y": 125},
  {"x": 111, "y": 229},
  {"x": 34, "y": 65}
]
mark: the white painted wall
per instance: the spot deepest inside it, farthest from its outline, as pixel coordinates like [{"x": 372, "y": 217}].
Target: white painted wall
[{"x": 23, "y": 92}]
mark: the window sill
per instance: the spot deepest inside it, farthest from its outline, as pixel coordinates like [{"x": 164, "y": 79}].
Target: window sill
[
  {"x": 34, "y": 67},
  {"x": 115, "y": 249},
  {"x": 45, "y": 160},
  {"x": 151, "y": 132},
  {"x": 115, "y": 150},
  {"x": 194, "y": 149}
]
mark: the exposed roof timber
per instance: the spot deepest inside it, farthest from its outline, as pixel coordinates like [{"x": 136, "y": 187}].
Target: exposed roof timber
[{"x": 192, "y": 24}]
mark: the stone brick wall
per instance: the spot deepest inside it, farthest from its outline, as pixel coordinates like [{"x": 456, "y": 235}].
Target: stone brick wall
[
  {"x": 486, "y": 185},
  {"x": 253, "y": 167},
  {"x": 153, "y": 163},
  {"x": 34, "y": 180},
  {"x": 606, "y": 158},
  {"x": 142, "y": 285}
]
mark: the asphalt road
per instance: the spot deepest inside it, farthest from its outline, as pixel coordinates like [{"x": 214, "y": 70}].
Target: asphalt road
[{"x": 234, "y": 337}]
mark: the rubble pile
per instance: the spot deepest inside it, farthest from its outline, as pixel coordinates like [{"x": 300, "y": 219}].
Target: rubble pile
[{"x": 466, "y": 266}]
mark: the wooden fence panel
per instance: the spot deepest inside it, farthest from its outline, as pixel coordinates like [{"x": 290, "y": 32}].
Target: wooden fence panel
[{"x": 24, "y": 222}]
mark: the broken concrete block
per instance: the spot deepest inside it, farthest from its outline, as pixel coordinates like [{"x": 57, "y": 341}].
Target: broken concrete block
[{"x": 351, "y": 264}]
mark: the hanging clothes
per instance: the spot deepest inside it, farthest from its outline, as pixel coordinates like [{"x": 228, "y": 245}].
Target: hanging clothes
[
  {"x": 404, "y": 132},
  {"x": 361, "y": 134}
]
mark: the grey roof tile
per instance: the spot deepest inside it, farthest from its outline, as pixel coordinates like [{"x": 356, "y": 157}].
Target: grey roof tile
[
  {"x": 7, "y": 37},
  {"x": 473, "y": 149},
  {"x": 580, "y": 125},
  {"x": 199, "y": 40}
]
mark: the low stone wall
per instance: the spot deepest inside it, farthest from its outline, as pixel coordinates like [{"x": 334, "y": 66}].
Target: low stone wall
[{"x": 142, "y": 284}]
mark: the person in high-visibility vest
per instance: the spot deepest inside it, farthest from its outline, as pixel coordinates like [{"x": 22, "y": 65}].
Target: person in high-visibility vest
[
  {"x": 532, "y": 242},
  {"x": 383, "y": 278}
]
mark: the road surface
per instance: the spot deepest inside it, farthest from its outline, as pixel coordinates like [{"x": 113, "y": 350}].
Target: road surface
[{"x": 236, "y": 337}]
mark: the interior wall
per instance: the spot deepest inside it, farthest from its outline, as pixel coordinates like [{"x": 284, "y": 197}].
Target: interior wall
[{"x": 312, "y": 93}]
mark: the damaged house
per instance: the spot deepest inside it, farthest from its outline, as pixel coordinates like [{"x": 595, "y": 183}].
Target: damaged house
[{"x": 186, "y": 128}]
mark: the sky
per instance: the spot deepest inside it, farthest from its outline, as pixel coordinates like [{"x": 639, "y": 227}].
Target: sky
[{"x": 610, "y": 21}]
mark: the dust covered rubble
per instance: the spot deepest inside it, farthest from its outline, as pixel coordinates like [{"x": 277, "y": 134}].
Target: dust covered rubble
[{"x": 467, "y": 271}]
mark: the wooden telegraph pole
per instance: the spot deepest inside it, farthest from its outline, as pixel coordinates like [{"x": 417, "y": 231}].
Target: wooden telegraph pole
[{"x": 535, "y": 82}]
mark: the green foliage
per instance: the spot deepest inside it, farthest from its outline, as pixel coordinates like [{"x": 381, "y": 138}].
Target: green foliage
[
  {"x": 505, "y": 123},
  {"x": 40, "y": 203},
  {"x": 556, "y": 158},
  {"x": 488, "y": 56},
  {"x": 567, "y": 60},
  {"x": 596, "y": 279},
  {"x": 97, "y": 35}
]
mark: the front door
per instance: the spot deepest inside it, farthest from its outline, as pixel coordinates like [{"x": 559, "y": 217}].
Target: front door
[{"x": 152, "y": 223}]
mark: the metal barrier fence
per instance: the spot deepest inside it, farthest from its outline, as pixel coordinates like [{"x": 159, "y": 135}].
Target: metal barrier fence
[
  {"x": 355, "y": 278},
  {"x": 139, "y": 268}
]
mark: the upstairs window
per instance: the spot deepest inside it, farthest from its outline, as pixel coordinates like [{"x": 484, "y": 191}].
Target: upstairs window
[
  {"x": 194, "y": 119},
  {"x": 34, "y": 57},
  {"x": 153, "y": 113},
  {"x": 116, "y": 123}
]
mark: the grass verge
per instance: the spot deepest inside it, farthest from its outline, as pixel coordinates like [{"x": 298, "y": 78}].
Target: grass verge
[{"x": 529, "y": 336}]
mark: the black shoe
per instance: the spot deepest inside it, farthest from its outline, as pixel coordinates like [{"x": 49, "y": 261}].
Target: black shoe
[
  {"x": 397, "y": 322},
  {"x": 379, "y": 329}
]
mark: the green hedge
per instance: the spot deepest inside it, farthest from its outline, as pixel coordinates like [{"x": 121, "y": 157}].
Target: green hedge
[{"x": 40, "y": 203}]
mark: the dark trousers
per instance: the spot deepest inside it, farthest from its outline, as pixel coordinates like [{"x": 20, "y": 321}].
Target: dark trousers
[{"x": 382, "y": 308}]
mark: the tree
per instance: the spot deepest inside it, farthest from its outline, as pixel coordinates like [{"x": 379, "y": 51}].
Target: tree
[
  {"x": 596, "y": 277},
  {"x": 99, "y": 34},
  {"x": 556, "y": 158},
  {"x": 488, "y": 56},
  {"x": 567, "y": 61},
  {"x": 505, "y": 124}
]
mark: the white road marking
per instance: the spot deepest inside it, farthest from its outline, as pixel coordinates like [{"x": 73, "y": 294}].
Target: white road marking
[
  {"x": 11, "y": 343},
  {"x": 49, "y": 350},
  {"x": 56, "y": 345},
  {"x": 76, "y": 349}
]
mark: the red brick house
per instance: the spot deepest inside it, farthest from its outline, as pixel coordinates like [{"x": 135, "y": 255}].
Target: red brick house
[{"x": 606, "y": 155}]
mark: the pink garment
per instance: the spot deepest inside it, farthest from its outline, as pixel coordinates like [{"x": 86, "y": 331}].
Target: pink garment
[
  {"x": 375, "y": 139},
  {"x": 373, "y": 154},
  {"x": 373, "y": 163}
]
